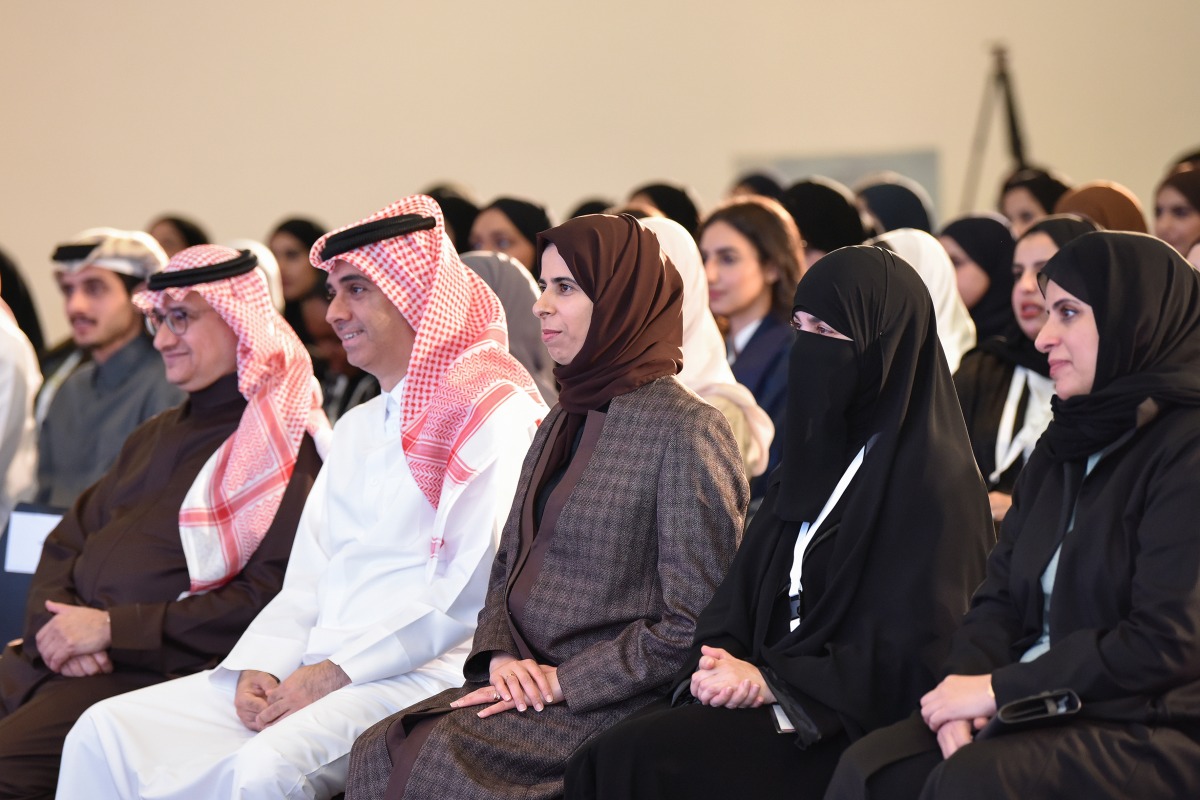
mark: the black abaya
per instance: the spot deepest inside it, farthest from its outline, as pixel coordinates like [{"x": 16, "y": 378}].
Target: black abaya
[{"x": 886, "y": 575}]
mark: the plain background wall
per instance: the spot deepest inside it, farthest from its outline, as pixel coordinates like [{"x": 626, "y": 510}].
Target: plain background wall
[{"x": 240, "y": 112}]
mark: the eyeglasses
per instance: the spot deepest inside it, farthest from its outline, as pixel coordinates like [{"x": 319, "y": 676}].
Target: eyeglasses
[{"x": 176, "y": 320}]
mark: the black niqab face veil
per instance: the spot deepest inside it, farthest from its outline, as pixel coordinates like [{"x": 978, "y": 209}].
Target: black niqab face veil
[
  {"x": 1146, "y": 300},
  {"x": 900, "y": 553},
  {"x": 841, "y": 393}
]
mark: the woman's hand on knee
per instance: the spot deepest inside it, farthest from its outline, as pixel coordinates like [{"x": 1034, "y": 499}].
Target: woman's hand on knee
[
  {"x": 959, "y": 697},
  {"x": 522, "y": 683}
]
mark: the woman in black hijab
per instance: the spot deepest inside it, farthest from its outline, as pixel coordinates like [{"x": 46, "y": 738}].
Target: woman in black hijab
[
  {"x": 675, "y": 202},
  {"x": 626, "y": 516},
  {"x": 510, "y": 226},
  {"x": 844, "y": 594},
  {"x": 1029, "y": 194},
  {"x": 896, "y": 201},
  {"x": 759, "y": 183},
  {"x": 459, "y": 212},
  {"x": 980, "y": 247},
  {"x": 1086, "y": 633},
  {"x": 825, "y": 212},
  {"x": 1004, "y": 384}
]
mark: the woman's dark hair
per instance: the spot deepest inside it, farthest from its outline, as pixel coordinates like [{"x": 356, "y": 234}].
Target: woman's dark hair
[
  {"x": 1044, "y": 185},
  {"x": 303, "y": 230},
  {"x": 1185, "y": 180},
  {"x": 770, "y": 228},
  {"x": 191, "y": 233},
  {"x": 1191, "y": 158}
]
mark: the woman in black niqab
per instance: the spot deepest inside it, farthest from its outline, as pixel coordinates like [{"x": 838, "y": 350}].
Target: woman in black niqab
[
  {"x": 1092, "y": 594},
  {"x": 891, "y": 562}
]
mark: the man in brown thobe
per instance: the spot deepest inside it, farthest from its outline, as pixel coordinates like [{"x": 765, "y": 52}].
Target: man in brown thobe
[{"x": 158, "y": 567}]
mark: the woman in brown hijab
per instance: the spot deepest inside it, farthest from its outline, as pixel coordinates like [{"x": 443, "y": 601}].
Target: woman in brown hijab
[
  {"x": 626, "y": 518},
  {"x": 1110, "y": 205}
]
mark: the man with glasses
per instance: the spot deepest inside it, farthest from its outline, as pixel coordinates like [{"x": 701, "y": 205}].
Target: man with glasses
[
  {"x": 392, "y": 557},
  {"x": 88, "y": 414},
  {"x": 163, "y": 562}
]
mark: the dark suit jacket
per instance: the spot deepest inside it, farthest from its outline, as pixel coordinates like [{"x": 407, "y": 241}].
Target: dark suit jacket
[{"x": 762, "y": 367}]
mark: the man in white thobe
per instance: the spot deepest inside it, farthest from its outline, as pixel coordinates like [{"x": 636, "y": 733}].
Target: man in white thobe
[{"x": 392, "y": 556}]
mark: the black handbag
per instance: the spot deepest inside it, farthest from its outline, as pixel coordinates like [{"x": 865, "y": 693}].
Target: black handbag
[{"x": 1039, "y": 710}]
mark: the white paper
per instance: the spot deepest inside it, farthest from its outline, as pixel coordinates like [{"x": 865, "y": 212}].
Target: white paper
[{"x": 26, "y": 532}]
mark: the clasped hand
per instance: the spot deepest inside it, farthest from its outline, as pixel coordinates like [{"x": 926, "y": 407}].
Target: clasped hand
[
  {"x": 515, "y": 684},
  {"x": 960, "y": 705},
  {"x": 722, "y": 681},
  {"x": 262, "y": 699},
  {"x": 74, "y": 641}
]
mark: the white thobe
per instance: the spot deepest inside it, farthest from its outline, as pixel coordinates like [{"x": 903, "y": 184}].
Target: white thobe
[
  {"x": 361, "y": 591},
  {"x": 20, "y": 380}
]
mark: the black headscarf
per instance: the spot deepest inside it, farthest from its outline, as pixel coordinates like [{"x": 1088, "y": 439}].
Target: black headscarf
[
  {"x": 528, "y": 218},
  {"x": 1146, "y": 301},
  {"x": 592, "y": 205},
  {"x": 673, "y": 201},
  {"x": 825, "y": 213},
  {"x": 459, "y": 214},
  {"x": 898, "y": 202},
  {"x": 1014, "y": 346},
  {"x": 902, "y": 550},
  {"x": 987, "y": 240},
  {"x": 15, "y": 292},
  {"x": 760, "y": 183}
]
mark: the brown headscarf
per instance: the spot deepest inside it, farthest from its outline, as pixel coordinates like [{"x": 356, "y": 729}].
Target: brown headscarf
[
  {"x": 636, "y": 334},
  {"x": 1108, "y": 204}
]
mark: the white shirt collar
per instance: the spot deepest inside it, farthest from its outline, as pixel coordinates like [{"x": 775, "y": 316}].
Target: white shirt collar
[
  {"x": 392, "y": 409},
  {"x": 742, "y": 338}
]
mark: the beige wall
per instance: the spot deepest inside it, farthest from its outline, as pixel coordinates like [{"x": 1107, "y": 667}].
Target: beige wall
[{"x": 239, "y": 113}]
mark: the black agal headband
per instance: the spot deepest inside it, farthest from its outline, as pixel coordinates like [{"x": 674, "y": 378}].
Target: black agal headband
[
  {"x": 244, "y": 262},
  {"x": 374, "y": 231}
]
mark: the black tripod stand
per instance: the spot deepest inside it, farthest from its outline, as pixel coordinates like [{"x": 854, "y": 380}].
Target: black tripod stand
[{"x": 999, "y": 84}]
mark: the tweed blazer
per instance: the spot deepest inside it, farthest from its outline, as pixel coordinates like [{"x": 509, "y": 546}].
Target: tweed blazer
[{"x": 640, "y": 546}]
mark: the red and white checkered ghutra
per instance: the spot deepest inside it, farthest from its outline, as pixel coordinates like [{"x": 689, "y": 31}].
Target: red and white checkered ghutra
[
  {"x": 233, "y": 500},
  {"x": 460, "y": 370}
]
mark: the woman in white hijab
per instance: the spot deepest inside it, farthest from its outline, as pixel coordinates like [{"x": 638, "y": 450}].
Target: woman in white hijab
[
  {"x": 706, "y": 369},
  {"x": 955, "y": 328}
]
